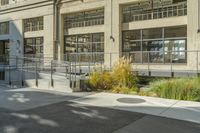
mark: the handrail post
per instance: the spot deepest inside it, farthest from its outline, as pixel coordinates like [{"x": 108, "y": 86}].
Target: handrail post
[
  {"x": 149, "y": 72},
  {"x": 110, "y": 61},
  {"x": 171, "y": 62},
  {"x": 70, "y": 72},
  {"x": 16, "y": 62},
  {"x": 36, "y": 78},
  {"x": 197, "y": 63},
  {"x": 22, "y": 75},
  {"x": 9, "y": 78},
  {"x": 51, "y": 73}
]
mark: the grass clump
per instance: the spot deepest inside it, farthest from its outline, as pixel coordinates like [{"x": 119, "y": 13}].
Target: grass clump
[
  {"x": 100, "y": 80},
  {"x": 120, "y": 80},
  {"x": 179, "y": 88}
]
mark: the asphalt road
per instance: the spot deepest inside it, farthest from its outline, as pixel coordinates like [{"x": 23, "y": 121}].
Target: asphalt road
[
  {"x": 30, "y": 111},
  {"x": 67, "y": 117}
]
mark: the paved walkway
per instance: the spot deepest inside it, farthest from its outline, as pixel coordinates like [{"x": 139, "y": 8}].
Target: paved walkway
[
  {"x": 181, "y": 110},
  {"x": 32, "y": 111},
  {"x": 27, "y": 98}
]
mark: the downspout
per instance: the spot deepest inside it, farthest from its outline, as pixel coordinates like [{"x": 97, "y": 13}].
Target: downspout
[{"x": 56, "y": 27}]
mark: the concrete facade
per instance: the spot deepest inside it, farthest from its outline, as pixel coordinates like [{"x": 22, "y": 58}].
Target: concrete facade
[
  {"x": 112, "y": 28},
  {"x": 16, "y": 12}
]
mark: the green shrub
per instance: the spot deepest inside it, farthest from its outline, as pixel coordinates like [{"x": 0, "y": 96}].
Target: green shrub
[
  {"x": 180, "y": 88},
  {"x": 100, "y": 80},
  {"x": 120, "y": 80},
  {"x": 122, "y": 73}
]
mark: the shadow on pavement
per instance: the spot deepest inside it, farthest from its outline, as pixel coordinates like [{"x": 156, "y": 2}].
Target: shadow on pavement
[{"x": 68, "y": 117}]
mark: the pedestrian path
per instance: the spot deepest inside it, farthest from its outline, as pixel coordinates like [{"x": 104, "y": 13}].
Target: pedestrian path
[
  {"x": 181, "y": 110},
  {"x": 27, "y": 98}
]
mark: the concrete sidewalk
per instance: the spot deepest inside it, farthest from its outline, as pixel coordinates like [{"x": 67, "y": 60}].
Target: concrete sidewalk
[
  {"x": 27, "y": 98},
  {"x": 181, "y": 110}
]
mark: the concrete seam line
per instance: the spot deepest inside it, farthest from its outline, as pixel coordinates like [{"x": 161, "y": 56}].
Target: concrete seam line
[
  {"x": 129, "y": 123},
  {"x": 168, "y": 108}
]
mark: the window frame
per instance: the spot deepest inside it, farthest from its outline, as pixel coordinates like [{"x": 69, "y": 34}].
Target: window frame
[
  {"x": 162, "y": 51},
  {"x": 4, "y": 28},
  {"x": 33, "y": 24},
  {"x": 4, "y": 2},
  {"x": 34, "y": 46}
]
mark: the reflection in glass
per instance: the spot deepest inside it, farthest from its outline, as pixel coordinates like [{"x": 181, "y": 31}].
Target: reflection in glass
[
  {"x": 178, "y": 31},
  {"x": 152, "y": 33},
  {"x": 156, "y": 45},
  {"x": 178, "y": 47},
  {"x": 33, "y": 47},
  {"x": 87, "y": 45},
  {"x": 156, "y": 54}
]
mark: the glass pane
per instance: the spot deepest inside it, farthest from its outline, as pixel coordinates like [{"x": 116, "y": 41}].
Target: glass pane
[
  {"x": 178, "y": 31},
  {"x": 98, "y": 42},
  {"x": 178, "y": 54},
  {"x": 132, "y": 35},
  {"x": 86, "y": 45},
  {"x": 70, "y": 44},
  {"x": 152, "y": 33},
  {"x": 155, "y": 51},
  {"x": 33, "y": 47},
  {"x": 133, "y": 50}
]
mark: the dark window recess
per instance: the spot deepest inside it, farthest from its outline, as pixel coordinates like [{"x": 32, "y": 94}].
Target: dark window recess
[
  {"x": 33, "y": 47},
  {"x": 2, "y": 75}
]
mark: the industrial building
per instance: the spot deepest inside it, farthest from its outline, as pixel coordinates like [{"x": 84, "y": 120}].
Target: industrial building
[{"x": 155, "y": 34}]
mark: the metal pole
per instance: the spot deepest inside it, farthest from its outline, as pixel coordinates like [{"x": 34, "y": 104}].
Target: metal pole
[
  {"x": 110, "y": 61},
  {"x": 36, "y": 77},
  {"x": 9, "y": 78},
  {"x": 75, "y": 66},
  {"x": 172, "y": 73},
  {"x": 149, "y": 72},
  {"x": 66, "y": 68},
  {"x": 70, "y": 72},
  {"x": 198, "y": 63},
  {"x": 16, "y": 62},
  {"x": 79, "y": 60},
  {"x": 89, "y": 64},
  {"x": 51, "y": 73},
  {"x": 22, "y": 75}
]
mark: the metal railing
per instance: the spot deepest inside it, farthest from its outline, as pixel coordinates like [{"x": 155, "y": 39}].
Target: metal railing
[
  {"x": 79, "y": 65},
  {"x": 137, "y": 57},
  {"x": 170, "y": 61}
]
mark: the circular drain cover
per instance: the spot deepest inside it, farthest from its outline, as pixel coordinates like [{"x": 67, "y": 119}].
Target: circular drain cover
[{"x": 131, "y": 100}]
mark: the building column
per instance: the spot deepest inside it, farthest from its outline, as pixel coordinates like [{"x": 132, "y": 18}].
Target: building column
[
  {"x": 193, "y": 42},
  {"x": 60, "y": 36},
  {"x": 112, "y": 32},
  {"x": 48, "y": 40},
  {"x": 16, "y": 40}
]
